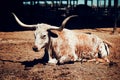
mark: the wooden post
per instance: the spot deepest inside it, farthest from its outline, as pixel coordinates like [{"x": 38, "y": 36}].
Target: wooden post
[
  {"x": 46, "y": 3},
  {"x": 92, "y": 3},
  {"x": 109, "y": 3},
  {"x": 52, "y": 3},
  {"x": 97, "y": 3},
  {"x": 85, "y": 2},
  {"x": 77, "y": 2},
  {"x": 104, "y": 3},
  {"x": 116, "y": 16}
]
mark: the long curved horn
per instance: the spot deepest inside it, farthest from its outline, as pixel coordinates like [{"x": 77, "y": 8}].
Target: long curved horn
[
  {"x": 21, "y": 23},
  {"x": 63, "y": 23},
  {"x": 66, "y": 20}
]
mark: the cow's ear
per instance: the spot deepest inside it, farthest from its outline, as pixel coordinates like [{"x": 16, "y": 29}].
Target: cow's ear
[{"x": 53, "y": 33}]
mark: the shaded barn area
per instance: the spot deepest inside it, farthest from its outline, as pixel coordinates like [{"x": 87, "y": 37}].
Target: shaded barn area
[{"x": 53, "y": 12}]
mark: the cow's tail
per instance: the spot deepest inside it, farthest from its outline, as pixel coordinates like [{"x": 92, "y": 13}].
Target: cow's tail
[
  {"x": 108, "y": 43},
  {"x": 113, "y": 49}
]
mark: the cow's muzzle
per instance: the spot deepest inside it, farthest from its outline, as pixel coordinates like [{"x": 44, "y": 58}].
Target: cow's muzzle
[{"x": 35, "y": 48}]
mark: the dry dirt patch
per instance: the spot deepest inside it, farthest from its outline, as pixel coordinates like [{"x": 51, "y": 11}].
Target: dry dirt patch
[{"x": 19, "y": 62}]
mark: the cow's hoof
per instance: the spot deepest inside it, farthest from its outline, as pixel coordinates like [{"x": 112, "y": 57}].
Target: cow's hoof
[
  {"x": 60, "y": 63},
  {"x": 53, "y": 61}
]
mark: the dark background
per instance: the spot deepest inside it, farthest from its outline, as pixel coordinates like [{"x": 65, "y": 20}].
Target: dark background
[{"x": 89, "y": 17}]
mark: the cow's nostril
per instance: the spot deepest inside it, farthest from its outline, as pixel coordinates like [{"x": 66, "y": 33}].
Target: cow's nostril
[{"x": 35, "y": 49}]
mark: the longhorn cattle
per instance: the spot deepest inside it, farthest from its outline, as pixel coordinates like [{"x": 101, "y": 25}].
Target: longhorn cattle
[{"x": 64, "y": 45}]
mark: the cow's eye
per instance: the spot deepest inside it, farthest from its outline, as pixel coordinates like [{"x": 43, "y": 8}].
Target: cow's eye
[{"x": 43, "y": 36}]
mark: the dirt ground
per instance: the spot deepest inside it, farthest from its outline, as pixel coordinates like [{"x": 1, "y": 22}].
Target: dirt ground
[{"x": 19, "y": 62}]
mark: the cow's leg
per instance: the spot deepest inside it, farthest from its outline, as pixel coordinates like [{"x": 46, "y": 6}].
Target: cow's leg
[
  {"x": 102, "y": 60},
  {"x": 99, "y": 60},
  {"x": 92, "y": 60},
  {"x": 64, "y": 59},
  {"x": 68, "y": 58},
  {"x": 51, "y": 60},
  {"x": 106, "y": 59}
]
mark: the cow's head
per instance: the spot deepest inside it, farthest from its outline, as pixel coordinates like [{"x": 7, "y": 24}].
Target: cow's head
[
  {"x": 42, "y": 32},
  {"x": 42, "y": 36}
]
